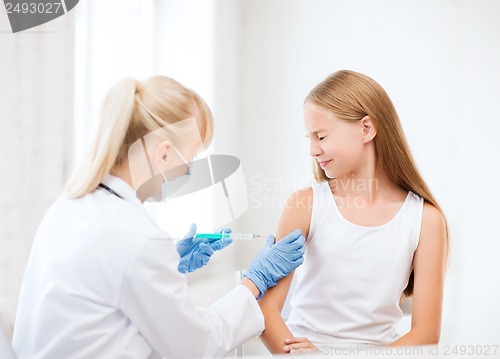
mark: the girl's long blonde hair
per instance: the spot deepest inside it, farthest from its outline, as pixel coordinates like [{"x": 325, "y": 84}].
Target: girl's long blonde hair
[
  {"x": 352, "y": 96},
  {"x": 131, "y": 110}
]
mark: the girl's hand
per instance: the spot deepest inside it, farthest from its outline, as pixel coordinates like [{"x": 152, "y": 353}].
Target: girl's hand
[{"x": 300, "y": 346}]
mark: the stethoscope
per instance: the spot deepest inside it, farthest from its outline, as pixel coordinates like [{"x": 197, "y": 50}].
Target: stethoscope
[{"x": 106, "y": 188}]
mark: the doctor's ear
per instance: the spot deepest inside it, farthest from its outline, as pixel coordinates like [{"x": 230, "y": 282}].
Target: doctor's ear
[
  {"x": 368, "y": 129},
  {"x": 161, "y": 154}
]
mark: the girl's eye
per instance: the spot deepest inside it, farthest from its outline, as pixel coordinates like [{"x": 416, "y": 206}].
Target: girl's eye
[{"x": 321, "y": 138}]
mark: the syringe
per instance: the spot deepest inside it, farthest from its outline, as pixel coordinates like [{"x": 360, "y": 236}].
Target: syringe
[{"x": 212, "y": 237}]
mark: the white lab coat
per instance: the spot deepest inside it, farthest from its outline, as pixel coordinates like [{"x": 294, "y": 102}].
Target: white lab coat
[{"x": 102, "y": 282}]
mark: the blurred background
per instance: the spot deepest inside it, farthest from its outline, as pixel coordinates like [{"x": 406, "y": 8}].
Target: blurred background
[{"x": 254, "y": 61}]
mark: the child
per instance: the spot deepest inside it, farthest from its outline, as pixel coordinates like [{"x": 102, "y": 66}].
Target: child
[{"x": 374, "y": 230}]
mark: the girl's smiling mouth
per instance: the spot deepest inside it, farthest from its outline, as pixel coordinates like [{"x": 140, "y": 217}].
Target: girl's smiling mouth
[{"x": 324, "y": 163}]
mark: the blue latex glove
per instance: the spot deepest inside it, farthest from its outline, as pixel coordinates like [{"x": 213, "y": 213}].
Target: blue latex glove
[
  {"x": 276, "y": 261},
  {"x": 195, "y": 253}
]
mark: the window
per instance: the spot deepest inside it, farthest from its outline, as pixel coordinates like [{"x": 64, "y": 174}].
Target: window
[{"x": 139, "y": 38}]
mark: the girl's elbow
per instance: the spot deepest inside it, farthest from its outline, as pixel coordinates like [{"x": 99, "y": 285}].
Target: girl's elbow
[
  {"x": 435, "y": 339},
  {"x": 433, "y": 336},
  {"x": 429, "y": 337}
]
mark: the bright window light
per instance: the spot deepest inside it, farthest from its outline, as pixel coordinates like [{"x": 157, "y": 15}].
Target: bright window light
[{"x": 139, "y": 38}]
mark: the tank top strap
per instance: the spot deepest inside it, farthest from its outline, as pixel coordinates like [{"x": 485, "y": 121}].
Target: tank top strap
[
  {"x": 412, "y": 217},
  {"x": 321, "y": 206}
]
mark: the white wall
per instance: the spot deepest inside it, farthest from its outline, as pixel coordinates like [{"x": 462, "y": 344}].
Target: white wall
[
  {"x": 111, "y": 43},
  {"x": 439, "y": 63},
  {"x": 36, "y": 108}
]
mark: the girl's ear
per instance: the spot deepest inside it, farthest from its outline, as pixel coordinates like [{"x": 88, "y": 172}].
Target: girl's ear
[
  {"x": 368, "y": 129},
  {"x": 160, "y": 156}
]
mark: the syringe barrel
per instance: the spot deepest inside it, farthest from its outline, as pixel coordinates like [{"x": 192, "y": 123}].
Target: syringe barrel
[{"x": 241, "y": 236}]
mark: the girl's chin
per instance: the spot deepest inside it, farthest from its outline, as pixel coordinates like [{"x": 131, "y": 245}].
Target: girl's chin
[
  {"x": 333, "y": 175},
  {"x": 330, "y": 175}
]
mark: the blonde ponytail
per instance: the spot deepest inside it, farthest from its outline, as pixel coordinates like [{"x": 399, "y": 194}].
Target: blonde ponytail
[
  {"x": 130, "y": 111},
  {"x": 115, "y": 120}
]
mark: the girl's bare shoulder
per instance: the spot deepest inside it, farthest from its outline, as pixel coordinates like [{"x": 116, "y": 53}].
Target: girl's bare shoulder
[{"x": 297, "y": 212}]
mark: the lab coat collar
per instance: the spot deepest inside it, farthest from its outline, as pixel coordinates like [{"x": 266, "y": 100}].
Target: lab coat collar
[{"x": 122, "y": 188}]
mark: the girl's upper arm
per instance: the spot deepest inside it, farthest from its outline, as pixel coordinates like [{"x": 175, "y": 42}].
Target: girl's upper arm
[
  {"x": 429, "y": 271},
  {"x": 295, "y": 215}
]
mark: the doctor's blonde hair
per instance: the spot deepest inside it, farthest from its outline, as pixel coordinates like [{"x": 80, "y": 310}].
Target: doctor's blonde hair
[
  {"x": 352, "y": 96},
  {"x": 131, "y": 110}
]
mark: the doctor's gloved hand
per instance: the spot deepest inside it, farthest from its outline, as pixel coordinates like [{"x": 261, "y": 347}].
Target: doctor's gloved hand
[
  {"x": 195, "y": 252},
  {"x": 276, "y": 261}
]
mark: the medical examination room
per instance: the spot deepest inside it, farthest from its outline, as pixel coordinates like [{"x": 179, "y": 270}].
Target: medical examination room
[{"x": 249, "y": 178}]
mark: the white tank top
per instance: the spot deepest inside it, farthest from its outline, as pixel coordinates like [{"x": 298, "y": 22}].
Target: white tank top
[{"x": 352, "y": 278}]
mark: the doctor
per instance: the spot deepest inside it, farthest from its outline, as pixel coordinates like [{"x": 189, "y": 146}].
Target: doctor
[{"x": 103, "y": 280}]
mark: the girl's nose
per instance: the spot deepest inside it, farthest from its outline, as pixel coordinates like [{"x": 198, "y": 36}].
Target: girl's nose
[{"x": 314, "y": 150}]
